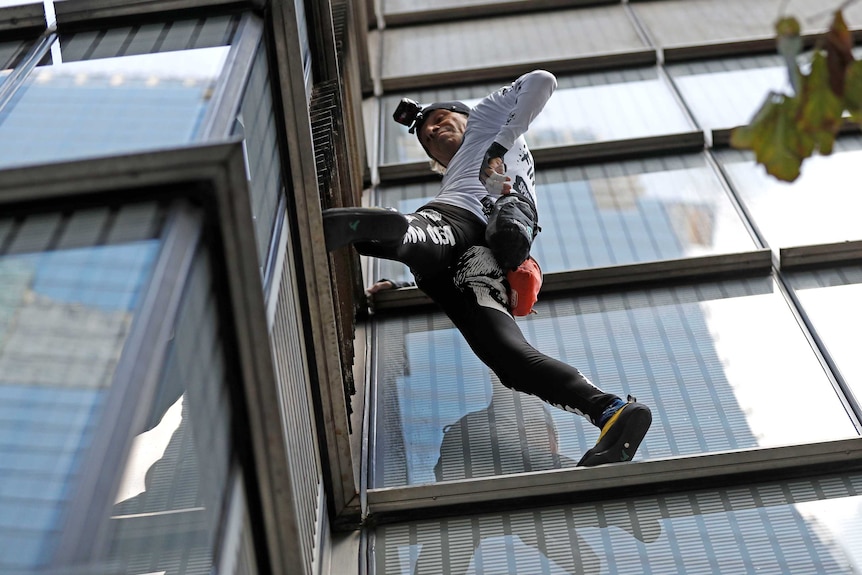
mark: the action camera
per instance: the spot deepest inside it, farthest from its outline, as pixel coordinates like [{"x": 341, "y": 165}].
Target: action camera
[{"x": 407, "y": 113}]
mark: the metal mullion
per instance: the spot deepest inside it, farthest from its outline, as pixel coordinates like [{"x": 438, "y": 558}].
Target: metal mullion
[
  {"x": 819, "y": 255},
  {"x": 530, "y": 490},
  {"x": 621, "y": 276},
  {"x": 106, "y": 13},
  {"x": 86, "y": 531},
  {"x": 19, "y": 74},
  {"x": 223, "y": 109}
]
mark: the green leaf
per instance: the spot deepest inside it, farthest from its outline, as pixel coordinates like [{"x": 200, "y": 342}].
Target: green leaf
[
  {"x": 774, "y": 137},
  {"x": 853, "y": 91},
  {"x": 821, "y": 110},
  {"x": 838, "y": 43}
]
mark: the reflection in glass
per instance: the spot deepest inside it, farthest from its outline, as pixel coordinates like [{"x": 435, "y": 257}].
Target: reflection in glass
[
  {"x": 82, "y": 109},
  {"x": 64, "y": 318},
  {"x": 397, "y": 6},
  {"x": 585, "y": 108},
  {"x": 801, "y": 526},
  {"x": 613, "y": 214},
  {"x": 723, "y": 94},
  {"x": 540, "y": 36},
  {"x": 821, "y": 206},
  {"x": 831, "y": 299},
  {"x": 171, "y": 500},
  {"x": 711, "y": 359}
]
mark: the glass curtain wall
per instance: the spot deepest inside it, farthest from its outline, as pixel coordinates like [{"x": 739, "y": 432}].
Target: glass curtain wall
[
  {"x": 748, "y": 361},
  {"x": 74, "y": 281}
]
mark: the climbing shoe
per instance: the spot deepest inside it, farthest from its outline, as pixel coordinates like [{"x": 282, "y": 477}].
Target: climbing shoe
[
  {"x": 621, "y": 435},
  {"x": 343, "y": 226}
]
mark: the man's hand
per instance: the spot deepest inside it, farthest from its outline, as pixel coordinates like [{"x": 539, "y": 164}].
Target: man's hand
[
  {"x": 379, "y": 286},
  {"x": 492, "y": 174}
]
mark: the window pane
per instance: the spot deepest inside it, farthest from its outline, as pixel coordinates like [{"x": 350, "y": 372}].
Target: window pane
[
  {"x": 540, "y": 36},
  {"x": 94, "y": 107},
  {"x": 10, "y": 51},
  {"x": 256, "y": 123},
  {"x": 831, "y": 300},
  {"x": 620, "y": 213},
  {"x": 64, "y": 318},
  {"x": 790, "y": 527},
  {"x": 585, "y": 108},
  {"x": 675, "y": 23},
  {"x": 710, "y": 359},
  {"x": 398, "y": 6},
  {"x": 821, "y": 206},
  {"x": 172, "y": 497},
  {"x": 723, "y": 94}
]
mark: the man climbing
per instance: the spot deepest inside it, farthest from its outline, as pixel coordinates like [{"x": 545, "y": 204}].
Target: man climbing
[{"x": 461, "y": 262}]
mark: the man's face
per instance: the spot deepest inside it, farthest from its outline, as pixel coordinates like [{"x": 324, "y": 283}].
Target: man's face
[{"x": 441, "y": 134}]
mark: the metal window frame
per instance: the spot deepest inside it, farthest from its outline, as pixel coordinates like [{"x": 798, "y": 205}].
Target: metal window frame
[
  {"x": 216, "y": 174},
  {"x": 589, "y": 484},
  {"x": 570, "y": 155},
  {"x": 98, "y": 13},
  {"x": 665, "y": 271},
  {"x": 22, "y": 20}
]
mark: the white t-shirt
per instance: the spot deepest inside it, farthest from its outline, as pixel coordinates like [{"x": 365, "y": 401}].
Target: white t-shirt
[{"x": 501, "y": 117}]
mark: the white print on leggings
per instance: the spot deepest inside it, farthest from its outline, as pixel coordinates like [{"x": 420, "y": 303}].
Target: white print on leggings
[
  {"x": 478, "y": 271},
  {"x": 438, "y": 235}
]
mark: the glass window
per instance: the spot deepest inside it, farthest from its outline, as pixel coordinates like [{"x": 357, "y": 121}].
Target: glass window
[
  {"x": 585, "y": 108},
  {"x": 678, "y": 23},
  {"x": 723, "y": 94},
  {"x": 540, "y": 36},
  {"x": 831, "y": 299},
  {"x": 710, "y": 359},
  {"x": 396, "y": 6},
  {"x": 256, "y": 122},
  {"x": 117, "y": 90},
  {"x": 616, "y": 213},
  {"x": 172, "y": 497},
  {"x": 65, "y": 315},
  {"x": 789, "y": 527},
  {"x": 10, "y": 51},
  {"x": 89, "y": 108},
  {"x": 821, "y": 206}
]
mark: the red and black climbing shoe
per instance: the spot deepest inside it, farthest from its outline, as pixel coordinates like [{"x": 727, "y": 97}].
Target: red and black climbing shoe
[
  {"x": 343, "y": 226},
  {"x": 621, "y": 435}
]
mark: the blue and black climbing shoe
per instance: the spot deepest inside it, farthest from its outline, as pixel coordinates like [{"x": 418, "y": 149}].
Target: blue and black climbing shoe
[
  {"x": 621, "y": 435},
  {"x": 344, "y": 226}
]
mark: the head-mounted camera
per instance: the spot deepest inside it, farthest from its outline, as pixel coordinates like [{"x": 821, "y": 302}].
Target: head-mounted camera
[{"x": 412, "y": 114}]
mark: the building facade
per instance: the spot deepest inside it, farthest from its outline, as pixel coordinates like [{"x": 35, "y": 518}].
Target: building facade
[{"x": 190, "y": 383}]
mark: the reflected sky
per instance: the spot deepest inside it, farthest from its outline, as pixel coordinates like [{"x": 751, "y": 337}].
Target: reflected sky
[
  {"x": 83, "y": 109},
  {"x": 837, "y": 315},
  {"x": 822, "y": 206},
  {"x": 721, "y": 100}
]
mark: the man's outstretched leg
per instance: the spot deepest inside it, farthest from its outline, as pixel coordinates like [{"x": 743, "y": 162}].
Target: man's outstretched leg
[{"x": 343, "y": 226}]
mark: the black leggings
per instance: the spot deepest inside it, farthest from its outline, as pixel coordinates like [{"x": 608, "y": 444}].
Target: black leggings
[{"x": 444, "y": 249}]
